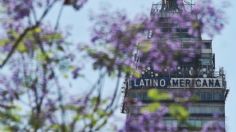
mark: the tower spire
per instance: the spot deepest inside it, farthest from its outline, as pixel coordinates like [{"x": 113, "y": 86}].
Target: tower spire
[{"x": 171, "y": 5}]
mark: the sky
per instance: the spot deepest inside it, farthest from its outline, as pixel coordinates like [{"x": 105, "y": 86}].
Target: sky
[{"x": 223, "y": 44}]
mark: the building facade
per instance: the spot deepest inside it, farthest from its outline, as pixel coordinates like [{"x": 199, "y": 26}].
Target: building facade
[{"x": 198, "y": 77}]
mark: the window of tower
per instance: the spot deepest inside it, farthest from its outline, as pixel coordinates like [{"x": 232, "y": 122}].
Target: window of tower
[
  {"x": 207, "y": 45},
  {"x": 205, "y": 61},
  {"x": 182, "y": 30},
  {"x": 187, "y": 45},
  {"x": 206, "y": 109},
  {"x": 166, "y": 30}
]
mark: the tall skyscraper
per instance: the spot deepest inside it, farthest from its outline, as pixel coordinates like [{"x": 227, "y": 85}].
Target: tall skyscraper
[{"x": 198, "y": 77}]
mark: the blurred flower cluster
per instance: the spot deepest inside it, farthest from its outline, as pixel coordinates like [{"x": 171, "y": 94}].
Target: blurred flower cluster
[{"x": 121, "y": 42}]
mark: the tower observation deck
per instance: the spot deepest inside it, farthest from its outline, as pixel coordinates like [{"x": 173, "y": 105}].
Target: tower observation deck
[{"x": 199, "y": 76}]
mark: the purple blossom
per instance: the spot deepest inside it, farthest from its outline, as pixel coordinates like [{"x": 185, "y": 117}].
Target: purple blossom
[
  {"x": 216, "y": 126},
  {"x": 150, "y": 122},
  {"x": 124, "y": 37},
  {"x": 18, "y": 9}
]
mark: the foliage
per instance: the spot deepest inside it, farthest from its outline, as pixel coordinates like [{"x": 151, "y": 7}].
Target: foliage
[{"x": 37, "y": 60}]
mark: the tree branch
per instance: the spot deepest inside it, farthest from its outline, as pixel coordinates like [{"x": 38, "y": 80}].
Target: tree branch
[
  {"x": 115, "y": 92},
  {"x": 21, "y": 37}
]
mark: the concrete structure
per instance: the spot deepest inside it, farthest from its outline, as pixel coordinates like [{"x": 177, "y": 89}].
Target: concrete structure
[{"x": 198, "y": 76}]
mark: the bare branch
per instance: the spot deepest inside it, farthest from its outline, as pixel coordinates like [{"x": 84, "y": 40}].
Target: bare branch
[{"x": 115, "y": 92}]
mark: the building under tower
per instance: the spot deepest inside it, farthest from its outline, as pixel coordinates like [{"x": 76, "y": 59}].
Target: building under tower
[{"x": 199, "y": 76}]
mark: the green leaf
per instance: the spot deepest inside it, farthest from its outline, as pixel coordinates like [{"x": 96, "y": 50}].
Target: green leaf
[
  {"x": 43, "y": 56},
  {"x": 55, "y": 36},
  {"x": 145, "y": 46},
  {"x": 13, "y": 33},
  {"x": 66, "y": 76},
  {"x": 94, "y": 122},
  {"x": 154, "y": 94},
  {"x": 128, "y": 69},
  {"x": 36, "y": 121},
  {"x": 94, "y": 100},
  {"x": 101, "y": 113},
  {"x": 3, "y": 42},
  {"x": 153, "y": 107},
  {"x": 136, "y": 74},
  {"x": 38, "y": 30},
  {"x": 77, "y": 117},
  {"x": 55, "y": 127},
  {"x": 89, "y": 116},
  {"x": 21, "y": 48},
  {"x": 71, "y": 107},
  {"x": 72, "y": 67},
  {"x": 10, "y": 115},
  {"x": 179, "y": 112},
  {"x": 40, "y": 57}
]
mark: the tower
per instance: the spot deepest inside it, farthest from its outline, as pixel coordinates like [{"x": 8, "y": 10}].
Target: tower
[{"x": 199, "y": 76}]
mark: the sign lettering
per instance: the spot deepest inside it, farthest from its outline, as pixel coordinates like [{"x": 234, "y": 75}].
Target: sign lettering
[{"x": 165, "y": 82}]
